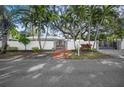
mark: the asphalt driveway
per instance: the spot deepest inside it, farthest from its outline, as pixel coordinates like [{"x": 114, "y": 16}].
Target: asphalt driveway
[{"x": 40, "y": 71}]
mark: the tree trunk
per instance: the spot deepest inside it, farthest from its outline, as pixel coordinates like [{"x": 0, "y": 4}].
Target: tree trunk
[
  {"x": 5, "y": 26},
  {"x": 95, "y": 40},
  {"x": 75, "y": 45},
  {"x": 79, "y": 45},
  {"x": 89, "y": 30},
  {"x": 4, "y": 43},
  {"x": 45, "y": 38},
  {"x": 32, "y": 28},
  {"x": 25, "y": 47},
  {"x": 39, "y": 39}
]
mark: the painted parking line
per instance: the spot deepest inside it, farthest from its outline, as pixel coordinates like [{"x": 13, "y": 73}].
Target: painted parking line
[
  {"x": 5, "y": 68},
  {"x": 19, "y": 59},
  {"x": 7, "y": 74},
  {"x": 16, "y": 60},
  {"x": 37, "y": 67},
  {"x": 56, "y": 67},
  {"x": 37, "y": 75},
  {"x": 41, "y": 55}
]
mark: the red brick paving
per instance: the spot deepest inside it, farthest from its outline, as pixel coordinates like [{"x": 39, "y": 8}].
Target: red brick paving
[{"x": 61, "y": 53}]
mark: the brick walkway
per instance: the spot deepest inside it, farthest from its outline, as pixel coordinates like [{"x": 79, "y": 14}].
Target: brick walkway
[{"x": 60, "y": 53}]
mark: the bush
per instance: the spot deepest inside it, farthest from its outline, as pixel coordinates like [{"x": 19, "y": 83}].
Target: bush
[
  {"x": 35, "y": 49},
  {"x": 93, "y": 49},
  {"x": 12, "y": 48}
]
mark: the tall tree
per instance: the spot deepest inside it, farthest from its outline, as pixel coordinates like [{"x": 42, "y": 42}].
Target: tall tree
[
  {"x": 68, "y": 22},
  {"x": 105, "y": 15},
  {"x": 5, "y": 24},
  {"x": 38, "y": 17}
]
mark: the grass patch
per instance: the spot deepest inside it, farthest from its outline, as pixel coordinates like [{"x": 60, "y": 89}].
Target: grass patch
[{"x": 89, "y": 55}]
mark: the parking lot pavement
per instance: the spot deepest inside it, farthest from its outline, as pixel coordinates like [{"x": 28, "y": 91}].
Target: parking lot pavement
[
  {"x": 49, "y": 72},
  {"x": 112, "y": 52}
]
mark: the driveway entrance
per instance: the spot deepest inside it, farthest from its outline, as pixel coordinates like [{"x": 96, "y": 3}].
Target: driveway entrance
[
  {"x": 60, "y": 44},
  {"x": 107, "y": 45},
  {"x": 112, "y": 52}
]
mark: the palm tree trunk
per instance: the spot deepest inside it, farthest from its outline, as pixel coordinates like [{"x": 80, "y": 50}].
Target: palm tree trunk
[
  {"x": 76, "y": 51},
  {"x": 45, "y": 38},
  {"x": 4, "y": 34},
  {"x": 4, "y": 42},
  {"x": 79, "y": 45},
  {"x": 89, "y": 30},
  {"x": 95, "y": 40},
  {"x": 25, "y": 47},
  {"x": 32, "y": 30},
  {"x": 75, "y": 45},
  {"x": 74, "y": 42},
  {"x": 39, "y": 39}
]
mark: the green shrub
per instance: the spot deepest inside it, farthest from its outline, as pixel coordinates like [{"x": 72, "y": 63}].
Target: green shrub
[
  {"x": 12, "y": 48},
  {"x": 35, "y": 49},
  {"x": 93, "y": 49}
]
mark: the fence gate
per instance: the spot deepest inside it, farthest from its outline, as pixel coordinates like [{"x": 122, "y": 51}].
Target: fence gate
[
  {"x": 60, "y": 44},
  {"x": 108, "y": 45}
]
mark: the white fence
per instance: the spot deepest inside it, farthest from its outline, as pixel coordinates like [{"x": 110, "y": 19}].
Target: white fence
[
  {"x": 49, "y": 45},
  {"x": 70, "y": 44}
]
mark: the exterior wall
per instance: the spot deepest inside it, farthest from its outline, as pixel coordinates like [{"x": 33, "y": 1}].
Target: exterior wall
[
  {"x": 49, "y": 45},
  {"x": 70, "y": 44},
  {"x": 16, "y": 44}
]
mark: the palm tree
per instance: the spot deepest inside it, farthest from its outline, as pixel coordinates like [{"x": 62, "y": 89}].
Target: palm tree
[
  {"x": 5, "y": 24},
  {"x": 69, "y": 22},
  {"x": 44, "y": 17},
  {"x": 37, "y": 17},
  {"x": 104, "y": 15}
]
